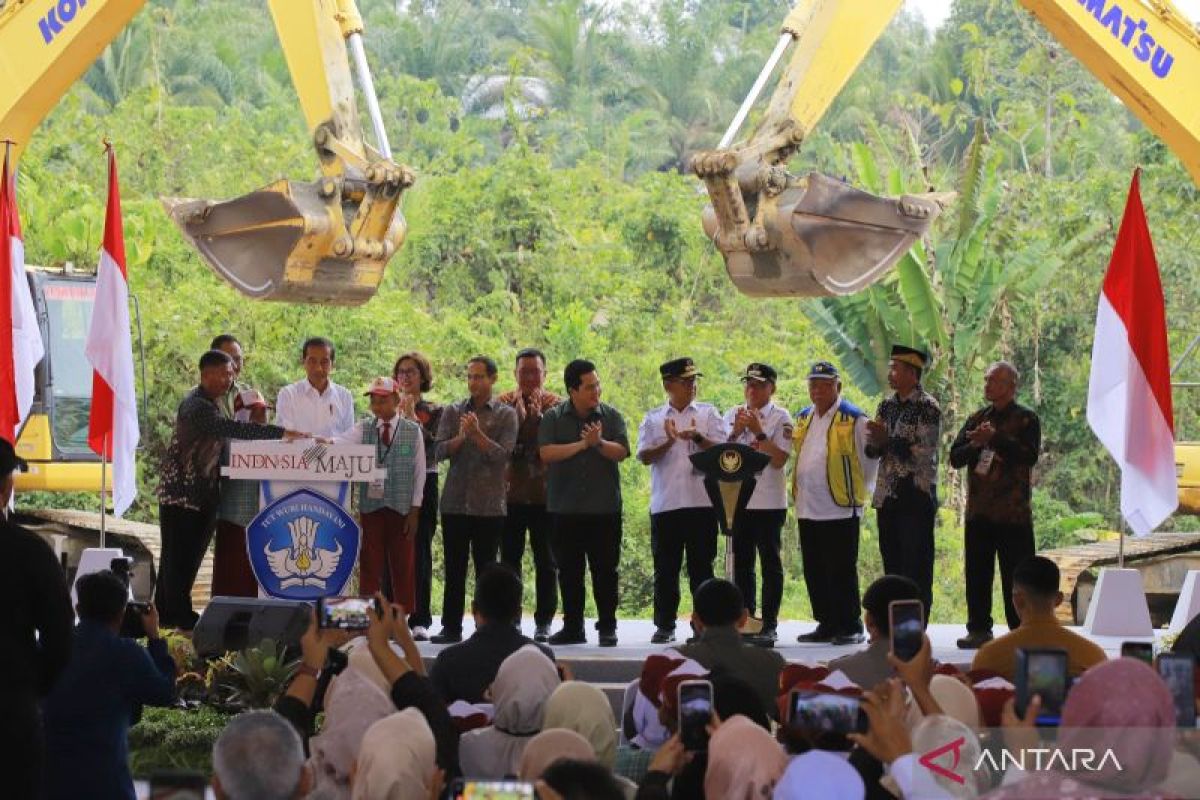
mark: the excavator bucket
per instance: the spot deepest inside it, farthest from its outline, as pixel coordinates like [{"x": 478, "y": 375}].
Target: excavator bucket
[
  {"x": 298, "y": 242},
  {"x": 816, "y": 237}
]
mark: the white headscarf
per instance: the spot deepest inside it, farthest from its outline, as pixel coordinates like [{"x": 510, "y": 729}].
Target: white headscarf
[
  {"x": 581, "y": 707},
  {"x": 352, "y": 704},
  {"x": 523, "y": 684},
  {"x": 397, "y": 760},
  {"x": 819, "y": 773}
]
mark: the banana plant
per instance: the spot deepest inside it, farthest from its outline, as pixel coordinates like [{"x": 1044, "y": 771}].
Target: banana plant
[{"x": 945, "y": 296}]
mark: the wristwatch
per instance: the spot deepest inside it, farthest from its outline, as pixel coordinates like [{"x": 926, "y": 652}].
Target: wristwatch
[{"x": 760, "y": 437}]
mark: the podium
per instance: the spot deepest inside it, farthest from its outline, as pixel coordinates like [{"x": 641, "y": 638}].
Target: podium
[{"x": 304, "y": 543}]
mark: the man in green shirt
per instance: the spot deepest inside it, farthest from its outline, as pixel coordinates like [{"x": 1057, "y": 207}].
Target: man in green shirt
[{"x": 581, "y": 441}]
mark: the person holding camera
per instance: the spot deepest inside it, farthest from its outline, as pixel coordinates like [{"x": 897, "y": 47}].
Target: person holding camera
[
  {"x": 35, "y": 639},
  {"x": 101, "y": 693},
  {"x": 682, "y": 518}
]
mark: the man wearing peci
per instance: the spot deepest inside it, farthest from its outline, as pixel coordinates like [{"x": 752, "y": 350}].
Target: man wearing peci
[
  {"x": 767, "y": 427},
  {"x": 904, "y": 437},
  {"x": 582, "y": 441},
  {"x": 681, "y": 514},
  {"x": 831, "y": 485}
]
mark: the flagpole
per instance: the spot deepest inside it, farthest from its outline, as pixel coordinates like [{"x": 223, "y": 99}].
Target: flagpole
[
  {"x": 103, "y": 488},
  {"x": 1121, "y": 546}
]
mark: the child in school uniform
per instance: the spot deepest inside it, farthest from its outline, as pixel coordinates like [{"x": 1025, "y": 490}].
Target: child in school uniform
[{"x": 389, "y": 508}]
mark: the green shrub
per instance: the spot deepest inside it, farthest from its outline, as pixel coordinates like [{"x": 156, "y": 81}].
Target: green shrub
[{"x": 174, "y": 738}]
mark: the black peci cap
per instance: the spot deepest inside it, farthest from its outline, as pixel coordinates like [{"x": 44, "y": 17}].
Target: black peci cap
[{"x": 680, "y": 368}]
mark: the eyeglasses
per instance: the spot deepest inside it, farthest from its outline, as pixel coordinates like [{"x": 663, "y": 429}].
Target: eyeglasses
[{"x": 408, "y": 371}]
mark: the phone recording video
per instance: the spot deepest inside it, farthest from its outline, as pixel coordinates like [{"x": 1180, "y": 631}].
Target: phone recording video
[
  {"x": 1042, "y": 673},
  {"x": 469, "y": 789},
  {"x": 695, "y": 713},
  {"x": 1142, "y": 651},
  {"x": 345, "y": 613},
  {"x": 826, "y": 719},
  {"x": 906, "y": 620},
  {"x": 1178, "y": 672}
]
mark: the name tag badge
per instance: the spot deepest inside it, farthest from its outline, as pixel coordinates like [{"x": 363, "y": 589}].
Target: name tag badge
[
  {"x": 985, "y": 461},
  {"x": 375, "y": 490}
]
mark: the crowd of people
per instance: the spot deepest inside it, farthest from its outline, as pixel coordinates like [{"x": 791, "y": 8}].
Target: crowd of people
[
  {"x": 531, "y": 467},
  {"x": 500, "y": 705}
]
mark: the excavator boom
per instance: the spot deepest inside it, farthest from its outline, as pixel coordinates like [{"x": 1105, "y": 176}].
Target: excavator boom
[{"x": 327, "y": 241}]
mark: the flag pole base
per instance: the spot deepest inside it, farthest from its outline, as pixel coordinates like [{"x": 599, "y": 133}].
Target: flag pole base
[{"x": 1118, "y": 606}]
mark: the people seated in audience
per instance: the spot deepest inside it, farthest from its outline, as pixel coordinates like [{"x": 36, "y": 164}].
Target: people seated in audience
[
  {"x": 352, "y": 704},
  {"x": 549, "y": 746},
  {"x": 744, "y": 762},
  {"x": 870, "y": 665},
  {"x": 523, "y": 684},
  {"x": 464, "y": 671},
  {"x": 100, "y": 694},
  {"x": 259, "y": 756},
  {"x": 718, "y": 612},
  {"x": 1035, "y": 595},
  {"x": 583, "y": 708},
  {"x": 397, "y": 760}
]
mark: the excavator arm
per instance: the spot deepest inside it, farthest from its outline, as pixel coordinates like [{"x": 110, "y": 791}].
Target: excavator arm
[
  {"x": 814, "y": 236},
  {"x": 326, "y": 241}
]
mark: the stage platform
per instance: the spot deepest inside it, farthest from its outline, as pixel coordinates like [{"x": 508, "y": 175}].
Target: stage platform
[{"x": 612, "y": 668}]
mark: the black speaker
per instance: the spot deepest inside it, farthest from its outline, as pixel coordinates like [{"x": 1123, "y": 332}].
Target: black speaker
[{"x": 235, "y": 623}]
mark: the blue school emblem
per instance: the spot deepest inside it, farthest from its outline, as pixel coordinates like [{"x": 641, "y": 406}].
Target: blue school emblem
[{"x": 303, "y": 546}]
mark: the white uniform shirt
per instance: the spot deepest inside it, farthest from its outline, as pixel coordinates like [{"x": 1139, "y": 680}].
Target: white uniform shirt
[
  {"x": 813, "y": 498},
  {"x": 770, "y": 493},
  {"x": 674, "y": 482},
  {"x": 300, "y": 407},
  {"x": 355, "y": 436}
]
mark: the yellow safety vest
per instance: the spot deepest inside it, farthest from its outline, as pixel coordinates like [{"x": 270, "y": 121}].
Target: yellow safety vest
[{"x": 844, "y": 472}]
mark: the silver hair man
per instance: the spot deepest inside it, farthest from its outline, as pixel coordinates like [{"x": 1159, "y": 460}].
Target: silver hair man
[{"x": 259, "y": 756}]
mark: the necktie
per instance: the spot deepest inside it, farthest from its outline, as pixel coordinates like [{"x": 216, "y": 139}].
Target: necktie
[{"x": 386, "y": 437}]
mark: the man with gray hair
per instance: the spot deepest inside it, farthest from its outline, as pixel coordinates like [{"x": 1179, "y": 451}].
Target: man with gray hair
[
  {"x": 259, "y": 756},
  {"x": 999, "y": 445}
]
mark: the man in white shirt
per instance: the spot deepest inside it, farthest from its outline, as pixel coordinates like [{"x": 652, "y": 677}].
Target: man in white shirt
[
  {"x": 315, "y": 404},
  {"x": 767, "y": 428},
  {"x": 681, "y": 513},
  {"x": 832, "y": 482}
]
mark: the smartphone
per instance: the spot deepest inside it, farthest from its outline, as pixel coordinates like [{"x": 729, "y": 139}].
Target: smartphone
[
  {"x": 695, "y": 713},
  {"x": 1142, "y": 651},
  {"x": 178, "y": 785},
  {"x": 1178, "y": 671},
  {"x": 906, "y": 619},
  {"x": 826, "y": 718},
  {"x": 345, "y": 613},
  {"x": 1042, "y": 672},
  {"x": 464, "y": 788}
]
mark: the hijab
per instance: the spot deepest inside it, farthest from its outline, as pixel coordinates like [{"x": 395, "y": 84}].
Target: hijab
[
  {"x": 397, "y": 759},
  {"x": 549, "y": 746},
  {"x": 744, "y": 762},
  {"x": 819, "y": 773},
  {"x": 583, "y": 708},
  {"x": 352, "y": 704}
]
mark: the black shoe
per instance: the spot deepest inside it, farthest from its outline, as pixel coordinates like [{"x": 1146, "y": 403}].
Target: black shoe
[
  {"x": 842, "y": 639},
  {"x": 765, "y": 635},
  {"x": 974, "y": 640},
  {"x": 815, "y": 637},
  {"x": 446, "y": 637},
  {"x": 663, "y": 636},
  {"x": 541, "y": 633},
  {"x": 566, "y": 636},
  {"x": 608, "y": 638}
]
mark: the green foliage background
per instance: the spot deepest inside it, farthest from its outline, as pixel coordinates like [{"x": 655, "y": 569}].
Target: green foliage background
[{"x": 560, "y": 216}]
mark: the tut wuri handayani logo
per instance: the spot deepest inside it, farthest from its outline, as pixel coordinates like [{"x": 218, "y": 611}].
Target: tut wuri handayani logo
[{"x": 303, "y": 546}]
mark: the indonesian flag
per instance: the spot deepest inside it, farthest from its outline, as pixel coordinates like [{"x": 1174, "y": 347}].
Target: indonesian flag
[
  {"x": 21, "y": 352},
  {"x": 109, "y": 349},
  {"x": 1129, "y": 393}
]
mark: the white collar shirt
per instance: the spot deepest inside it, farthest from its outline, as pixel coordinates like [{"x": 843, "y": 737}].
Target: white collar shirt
[
  {"x": 674, "y": 482},
  {"x": 300, "y": 407},
  {"x": 813, "y": 499},
  {"x": 770, "y": 491}
]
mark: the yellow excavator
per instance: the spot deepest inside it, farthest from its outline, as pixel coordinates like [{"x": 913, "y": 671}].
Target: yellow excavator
[
  {"x": 784, "y": 235},
  {"x": 323, "y": 241}
]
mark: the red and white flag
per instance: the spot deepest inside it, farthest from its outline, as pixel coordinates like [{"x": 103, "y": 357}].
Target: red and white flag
[
  {"x": 109, "y": 349},
  {"x": 1129, "y": 393},
  {"x": 21, "y": 352}
]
